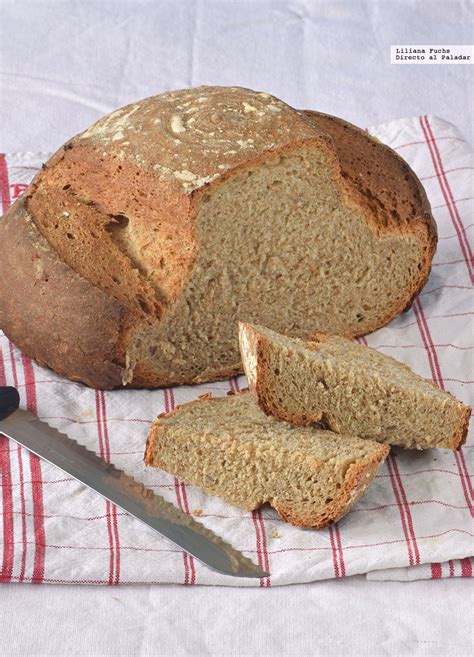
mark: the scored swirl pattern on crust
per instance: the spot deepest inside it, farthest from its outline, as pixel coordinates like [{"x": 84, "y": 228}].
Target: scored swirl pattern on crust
[{"x": 193, "y": 136}]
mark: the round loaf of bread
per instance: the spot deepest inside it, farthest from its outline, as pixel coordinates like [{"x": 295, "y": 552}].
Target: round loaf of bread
[{"x": 142, "y": 242}]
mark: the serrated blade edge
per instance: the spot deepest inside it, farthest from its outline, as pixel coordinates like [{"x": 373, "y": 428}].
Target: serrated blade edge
[{"x": 125, "y": 492}]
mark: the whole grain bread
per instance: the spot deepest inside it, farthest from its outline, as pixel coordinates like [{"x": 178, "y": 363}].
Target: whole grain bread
[
  {"x": 229, "y": 448},
  {"x": 176, "y": 216},
  {"x": 350, "y": 388}
]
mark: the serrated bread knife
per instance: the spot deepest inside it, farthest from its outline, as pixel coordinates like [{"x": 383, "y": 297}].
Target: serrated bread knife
[{"x": 121, "y": 489}]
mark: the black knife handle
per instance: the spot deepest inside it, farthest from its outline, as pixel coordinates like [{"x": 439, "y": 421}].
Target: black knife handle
[{"x": 9, "y": 401}]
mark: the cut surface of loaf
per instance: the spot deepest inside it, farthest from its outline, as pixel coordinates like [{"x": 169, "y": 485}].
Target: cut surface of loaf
[
  {"x": 231, "y": 449},
  {"x": 187, "y": 211},
  {"x": 351, "y": 388}
]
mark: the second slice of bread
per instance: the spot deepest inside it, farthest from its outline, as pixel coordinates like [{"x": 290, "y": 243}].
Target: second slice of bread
[
  {"x": 350, "y": 388},
  {"x": 230, "y": 448}
]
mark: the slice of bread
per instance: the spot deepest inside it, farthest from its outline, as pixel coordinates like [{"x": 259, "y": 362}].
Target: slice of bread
[
  {"x": 229, "y": 448},
  {"x": 351, "y": 388},
  {"x": 176, "y": 216}
]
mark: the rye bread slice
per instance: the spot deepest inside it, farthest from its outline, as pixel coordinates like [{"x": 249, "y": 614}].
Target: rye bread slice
[
  {"x": 230, "y": 448},
  {"x": 351, "y": 389}
]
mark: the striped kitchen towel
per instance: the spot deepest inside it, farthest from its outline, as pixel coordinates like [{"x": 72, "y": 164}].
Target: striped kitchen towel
[{"x": 416, "y": 520}]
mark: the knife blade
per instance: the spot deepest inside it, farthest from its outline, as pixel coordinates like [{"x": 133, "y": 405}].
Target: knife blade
[{"x": 121, "y": 489}]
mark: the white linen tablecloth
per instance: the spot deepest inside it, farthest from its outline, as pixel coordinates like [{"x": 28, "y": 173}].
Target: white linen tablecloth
[{"x": 63, "y": 64}]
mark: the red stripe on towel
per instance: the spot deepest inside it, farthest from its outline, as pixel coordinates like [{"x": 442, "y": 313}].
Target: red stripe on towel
[
  {"x": 186, "y": 510},
  {"x": 401, "y": 509},
  {"x": 466, "y": 567},
  {"x": 428, "y": 343},
  {"x": 4, "y": 184},
  {"x": 181, "y": 498},
  {"x": 406, "y": 506},
  {"x": 7, "y": 497},
  {"x": 36, "y": 479},
  {"x": 259, "y": 545},
  {"x": 335, "y": 554},
  {"x": 98, "y": 410},
  {"x": 462, "y": 460},
  {"x": 464, "y": 483},
  {"x": 115, "y": 529},
  {"x": 264, "y": 547},
  {"x": 447, "y": 193},
  {"x": 436, "y": 571},
  {"x": 7, "y": 505},
  {"x": 339, "y": 550},
  {"x": 19, "y": 452}
]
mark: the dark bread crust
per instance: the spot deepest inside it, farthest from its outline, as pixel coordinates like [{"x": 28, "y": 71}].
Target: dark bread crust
[
  {"x": 359, "y": 476},
  {"x": 55, "y": 315},
  {"x": 460, "y": 437}
]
